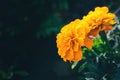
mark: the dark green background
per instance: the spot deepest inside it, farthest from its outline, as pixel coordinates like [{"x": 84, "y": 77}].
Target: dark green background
[{"x": 28, "y": 31}]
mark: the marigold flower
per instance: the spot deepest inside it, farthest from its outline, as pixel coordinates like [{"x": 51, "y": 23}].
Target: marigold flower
[
  {"x": 70, "y": 40},
  {"x": 79, "y": 33},
  {"x": 99, "y": 20}
]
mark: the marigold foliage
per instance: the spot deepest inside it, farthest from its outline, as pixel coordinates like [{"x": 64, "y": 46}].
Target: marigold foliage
[{"x": 79, "y": 33}]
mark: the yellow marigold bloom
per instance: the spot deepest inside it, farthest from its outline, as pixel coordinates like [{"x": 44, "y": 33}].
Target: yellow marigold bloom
[
  {"x": 70, "y": 40},
  {"x": 100, "y": 19}
]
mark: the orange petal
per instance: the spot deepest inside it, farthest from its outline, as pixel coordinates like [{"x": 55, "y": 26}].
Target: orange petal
[
  {"x": 88, "y": 43},
  {"x": 94, "y": 32},
  {"x": 106, "y": 28},
  {"x": 69, "y": 55},
  {"x": 77, "y": 56}
]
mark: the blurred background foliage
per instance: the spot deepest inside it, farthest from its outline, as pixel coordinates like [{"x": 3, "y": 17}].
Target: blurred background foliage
[
  {"x": 44, "y": 17},
  {"x": 27, "y": 41}
]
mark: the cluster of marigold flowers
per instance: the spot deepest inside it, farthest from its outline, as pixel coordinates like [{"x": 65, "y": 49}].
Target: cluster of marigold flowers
[{"x": 81, "y": 33}]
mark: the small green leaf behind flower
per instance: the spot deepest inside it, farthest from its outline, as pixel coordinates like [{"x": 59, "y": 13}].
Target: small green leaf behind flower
[{"x": 74, "y": 65}]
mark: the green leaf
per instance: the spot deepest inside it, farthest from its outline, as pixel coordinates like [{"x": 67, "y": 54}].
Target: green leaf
[
  {"x": 93, "y": 67},
  {"x": 84, "y": 58},
  {"x": 74, "y": 65},
  {"x": 82, "y": 67}
]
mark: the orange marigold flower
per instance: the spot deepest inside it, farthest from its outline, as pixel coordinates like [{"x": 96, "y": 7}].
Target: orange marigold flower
[
  {"x": 80, "y": 33},
  {"x": 70, "y": 40},
  {"x": 99, "y": 20}
]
